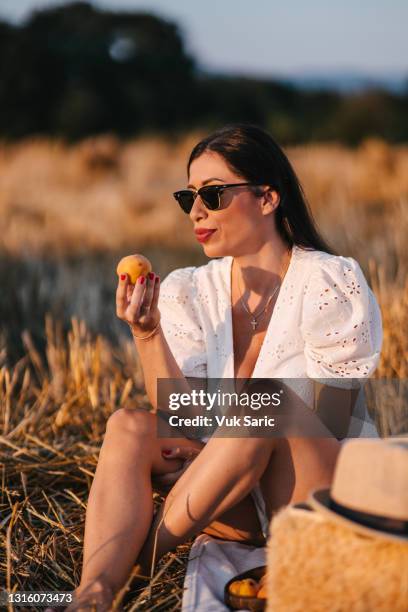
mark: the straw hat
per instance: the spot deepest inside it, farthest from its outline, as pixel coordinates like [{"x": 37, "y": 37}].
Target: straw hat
[{"x": 369, "y": 493}]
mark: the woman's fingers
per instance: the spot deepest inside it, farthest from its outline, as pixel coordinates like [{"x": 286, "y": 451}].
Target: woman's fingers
[
  {"x": 166, "y": 481},
  {"x": 129, "y": 291},
  {"x": 181, "y": 452},
  {"x": 133, "y": 310},
  {"x": 148, "y": 297},
  {"x": 143, "y": 297},
  {"x": 121, "y": 296},
  {"x": 138, "y": 301},
  {"x": 156, "y": 293}
]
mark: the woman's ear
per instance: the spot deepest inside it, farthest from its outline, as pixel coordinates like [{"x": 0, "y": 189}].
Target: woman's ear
[{"x": 271, "y": 199}]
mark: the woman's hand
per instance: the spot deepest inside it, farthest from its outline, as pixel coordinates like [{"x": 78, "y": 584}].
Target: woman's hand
[
  {"x": 164, "y": 482},
  {"x": 137, "y": 304}
]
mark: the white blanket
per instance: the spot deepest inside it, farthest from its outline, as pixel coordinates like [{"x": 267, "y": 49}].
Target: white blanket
[{"x": 211, "y": 563}]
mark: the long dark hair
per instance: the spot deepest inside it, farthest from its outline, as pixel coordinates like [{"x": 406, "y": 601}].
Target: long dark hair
[{"x": 253, "y": 154}]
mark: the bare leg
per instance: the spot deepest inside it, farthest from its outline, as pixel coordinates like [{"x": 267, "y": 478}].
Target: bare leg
[
  {"x": 287, "y": 468},
  {"x": 219, "y": 478},
  {"x": 297, "y": 466},
  {"x": 120, "y": 505}
]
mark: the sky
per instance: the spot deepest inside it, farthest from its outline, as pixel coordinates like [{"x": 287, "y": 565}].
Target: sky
[{"x": 266, "y": 38}]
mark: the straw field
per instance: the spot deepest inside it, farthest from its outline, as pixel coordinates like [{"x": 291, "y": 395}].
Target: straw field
[{"x": 67, "y": 214}]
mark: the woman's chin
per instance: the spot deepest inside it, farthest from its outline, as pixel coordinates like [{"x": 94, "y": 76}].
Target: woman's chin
[
  {"x": 214, "y": 250},
  {"x": 215, "y": 246}
]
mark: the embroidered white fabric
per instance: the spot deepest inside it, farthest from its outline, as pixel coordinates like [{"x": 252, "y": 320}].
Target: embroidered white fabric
[{"x": 326, "y": 325}]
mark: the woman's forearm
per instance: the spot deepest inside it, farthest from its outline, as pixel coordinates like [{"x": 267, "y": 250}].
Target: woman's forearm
[{"x": 158, "y": 361}]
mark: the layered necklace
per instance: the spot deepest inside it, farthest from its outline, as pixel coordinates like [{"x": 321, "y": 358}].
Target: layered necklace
[{"x": 255, "y": 317}]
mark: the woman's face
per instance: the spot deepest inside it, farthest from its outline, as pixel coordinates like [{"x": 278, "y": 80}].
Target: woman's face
[{"x": 244, "y": 221}]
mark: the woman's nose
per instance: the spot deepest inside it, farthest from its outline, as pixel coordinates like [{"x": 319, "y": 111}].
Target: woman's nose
[{"x": 198, "y": 210}]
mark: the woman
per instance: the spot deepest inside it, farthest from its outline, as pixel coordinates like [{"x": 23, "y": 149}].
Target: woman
[{"x": 274, "y": 301}]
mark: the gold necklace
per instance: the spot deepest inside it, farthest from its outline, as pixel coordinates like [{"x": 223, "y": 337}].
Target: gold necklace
[{"x": 254, "y": 317}]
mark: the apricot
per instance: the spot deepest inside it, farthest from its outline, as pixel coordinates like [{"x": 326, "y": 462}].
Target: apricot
[
  {"x": 134, "y": 266},
  {"x": 261, "y": 594},
  {"x": 246, "y": 587},
  {"x": 234, "y": 587}
]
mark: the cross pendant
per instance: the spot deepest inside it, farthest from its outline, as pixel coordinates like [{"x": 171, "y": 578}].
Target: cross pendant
[{"x": 254, "y": 323}]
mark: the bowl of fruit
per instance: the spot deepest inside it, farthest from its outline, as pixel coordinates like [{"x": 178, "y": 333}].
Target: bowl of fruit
[{"x": 247, "y": 591}]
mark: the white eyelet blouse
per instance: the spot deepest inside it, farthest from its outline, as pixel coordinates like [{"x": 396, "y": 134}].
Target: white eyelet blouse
[{"x": 326, "y": 323}]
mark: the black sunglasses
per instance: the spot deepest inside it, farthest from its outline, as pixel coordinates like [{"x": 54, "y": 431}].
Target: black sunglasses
[{"x": 210, "y": 195}]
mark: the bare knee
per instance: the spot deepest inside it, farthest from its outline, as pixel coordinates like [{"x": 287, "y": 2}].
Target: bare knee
[{"x": 137, "y": 421}]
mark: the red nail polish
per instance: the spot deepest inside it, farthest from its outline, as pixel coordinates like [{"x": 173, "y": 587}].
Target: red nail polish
[
  {"x": 166, "y": 451},
  {"x": 142, "y": 279},
  {"x": 156, "y": 280},
  {"x": 123, "y": 277},
  {"x": 151, "y": 275}
]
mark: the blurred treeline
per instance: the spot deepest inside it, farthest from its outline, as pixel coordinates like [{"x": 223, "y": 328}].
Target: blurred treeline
[{"x": 75, "y": 71}]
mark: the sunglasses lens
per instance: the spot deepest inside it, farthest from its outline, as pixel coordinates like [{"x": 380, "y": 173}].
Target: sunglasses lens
[
  {"x": 185, "y": 199},
  {"x": 210, "y": 197}
]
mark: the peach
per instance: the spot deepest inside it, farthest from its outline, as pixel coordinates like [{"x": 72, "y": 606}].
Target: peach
[
  {"x": 134, "y": 266},
  {"x": 234, "y": 587},
  {"x": 246, "y": 587}
]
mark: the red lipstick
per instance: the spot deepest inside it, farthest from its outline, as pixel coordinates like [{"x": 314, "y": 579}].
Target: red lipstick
[{"x": 203, "y": 234}]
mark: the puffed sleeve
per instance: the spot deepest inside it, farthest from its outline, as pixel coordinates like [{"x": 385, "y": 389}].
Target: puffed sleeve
[
  {"x": 180, "y": 322},
  {"x": 341, "y": 323}
]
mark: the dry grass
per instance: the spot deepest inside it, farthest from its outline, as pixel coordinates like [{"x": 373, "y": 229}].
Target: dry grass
[
  {"x": 66, "y": 215},
  {"x": 102, "y": 195},
  {"x": 90, "y": 197}
]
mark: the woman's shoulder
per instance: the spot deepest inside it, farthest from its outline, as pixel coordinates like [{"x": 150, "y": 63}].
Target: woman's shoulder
[
  {"x": 318, "y": 258},
  {"x": 341, "y": 319},
  {"x": 337, "y": 289},
  {"x": 320, "y": 264}
]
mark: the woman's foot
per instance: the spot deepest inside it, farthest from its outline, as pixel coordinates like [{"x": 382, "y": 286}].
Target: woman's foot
[{"x": 96, "y": 597}]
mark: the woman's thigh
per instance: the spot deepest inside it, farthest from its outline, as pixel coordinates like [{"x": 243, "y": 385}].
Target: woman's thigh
[
  {"x": 239, "y": 523},
  {"x": 297, "y": 465}
]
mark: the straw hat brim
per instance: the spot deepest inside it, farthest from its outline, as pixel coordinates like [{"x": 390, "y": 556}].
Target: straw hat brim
[{"x": 320, "y": 501}]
